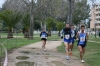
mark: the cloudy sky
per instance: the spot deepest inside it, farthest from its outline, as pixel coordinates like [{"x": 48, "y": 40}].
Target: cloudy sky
[{"x": 2, "y": 1}]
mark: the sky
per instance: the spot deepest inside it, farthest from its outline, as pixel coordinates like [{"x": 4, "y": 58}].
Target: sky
[{"x": 2, "y": 2}]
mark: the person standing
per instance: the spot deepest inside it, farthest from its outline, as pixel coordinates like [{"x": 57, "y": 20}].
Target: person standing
[
  {"x": 82, "y": 40},
  {"x": 43, "y": 36},
  {"x": 67, "y": 36}
]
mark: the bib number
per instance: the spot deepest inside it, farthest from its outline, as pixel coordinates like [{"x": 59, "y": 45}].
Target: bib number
[
  {"x": 82, "y": 39},
  {"x": 67, "y": 36},
  {"x": 43, "y": 36}
]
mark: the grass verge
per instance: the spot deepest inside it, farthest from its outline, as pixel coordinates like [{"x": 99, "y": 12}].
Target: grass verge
[
  {"x": 15, "y": 43},
  {"x": 19, "y": 42},
  {"x": 92, "y": 55}
]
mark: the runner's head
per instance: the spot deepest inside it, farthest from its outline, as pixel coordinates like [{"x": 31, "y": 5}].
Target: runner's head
[
  {"x": 82, "y": 28},
  {"x": 43, "y": 30},
  {"x": 72, "y": 27},
  {"x": 67, "y": 25}
]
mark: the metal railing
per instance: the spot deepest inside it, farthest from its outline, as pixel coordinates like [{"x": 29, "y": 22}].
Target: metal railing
[{"x": 5, "y": 62}]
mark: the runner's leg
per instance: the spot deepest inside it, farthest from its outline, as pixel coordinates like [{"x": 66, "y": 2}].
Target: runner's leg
[
  {"x": 67, "y": 49},
  {"x": 44, "y": 43},
  {"x": 81, "y": 52},
  {"x": 72, "y": 45}
]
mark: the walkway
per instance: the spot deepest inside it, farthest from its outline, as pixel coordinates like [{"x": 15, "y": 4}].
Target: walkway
[{"x": 33, "y": 55}]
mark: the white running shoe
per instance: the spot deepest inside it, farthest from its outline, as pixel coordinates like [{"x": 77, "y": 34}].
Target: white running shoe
[
  {"x": 67, "y": 58},
  {"x": 82, "y": 61},
  {"x": 44, "y": 49}
]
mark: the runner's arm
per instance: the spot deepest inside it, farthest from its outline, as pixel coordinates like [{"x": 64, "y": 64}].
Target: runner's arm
[
  {"x": 62, "y": 31},
  {"x": 40, "y": 34},
  {"x": 47, "y": 34},
  {"x": 77, "y": 35}
]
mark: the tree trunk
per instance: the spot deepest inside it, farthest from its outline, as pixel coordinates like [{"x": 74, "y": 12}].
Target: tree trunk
[
  {"x": 49, "y": 32},
  {"x": 10, "y": 34},
  {"x": 26, "y": 34},
  {"x": 59, "y": 33},
  {"x": 31, "y": 20}
]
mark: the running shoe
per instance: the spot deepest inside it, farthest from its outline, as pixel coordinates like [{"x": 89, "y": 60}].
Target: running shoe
[
  {"x": 82, "y": 61},
  {"x": 44, "y": 49},
  {"x": 67, "y": 58}
]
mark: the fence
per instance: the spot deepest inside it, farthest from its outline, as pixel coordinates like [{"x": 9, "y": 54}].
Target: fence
[{"x": 3, "y": 48}]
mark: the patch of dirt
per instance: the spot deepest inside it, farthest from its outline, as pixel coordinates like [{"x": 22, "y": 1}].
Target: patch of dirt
[{"x": 41, "y": 58}]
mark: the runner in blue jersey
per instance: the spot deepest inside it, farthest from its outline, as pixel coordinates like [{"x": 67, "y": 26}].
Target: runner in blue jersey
[
  {"x": 43, "y": 36},
  {"x": 73, "y": 35},
  {"x": 83, "y": 37},
  {"x": 67, "y": 36}
]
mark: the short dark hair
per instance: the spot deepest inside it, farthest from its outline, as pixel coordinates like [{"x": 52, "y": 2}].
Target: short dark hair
[
  {"x": 67, "y": 23},
  {"x": 72, "y": 25},
  {"x": 82, "y": 26}
]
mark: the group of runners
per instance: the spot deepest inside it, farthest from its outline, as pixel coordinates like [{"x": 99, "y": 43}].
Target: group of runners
[{"x": 69, "y": 35}]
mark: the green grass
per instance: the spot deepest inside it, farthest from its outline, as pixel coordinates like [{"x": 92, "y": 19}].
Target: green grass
[
  {"x": 92, "y": 38},
  {"x": 92, "y": 55},
  {"x": 16, "y": 43},
  {"x": 54, "y": 38},
  {"x": 19, "y": 42}
]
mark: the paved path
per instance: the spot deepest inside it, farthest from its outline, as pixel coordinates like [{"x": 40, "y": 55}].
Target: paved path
[{"x": 37, "y": 57}]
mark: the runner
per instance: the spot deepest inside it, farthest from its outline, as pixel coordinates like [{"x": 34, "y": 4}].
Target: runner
[
  {"x": 82, "y": 40},
  {"x": 67, "y": 35},
  {"x": 73, "y": 34},
  {"x": 43, "y": 36}
]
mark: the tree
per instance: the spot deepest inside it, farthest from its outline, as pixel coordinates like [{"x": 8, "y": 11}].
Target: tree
[
  {"x": 59, "y": 26},
  {"x": 26, "y": 25},
  {"x": 81, "y": 11},
  {"x": 10, "y": 18},
  {"x": 49, "y": 23}
]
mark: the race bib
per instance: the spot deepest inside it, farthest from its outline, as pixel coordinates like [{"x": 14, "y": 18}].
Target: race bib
[
  {"x": 43, "y": 36},
  {"x": 82, "y": 39},
  {"x": 67, "y": 36}
]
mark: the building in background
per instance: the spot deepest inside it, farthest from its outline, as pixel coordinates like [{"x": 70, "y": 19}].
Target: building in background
[{"x": 95, "y": 17}]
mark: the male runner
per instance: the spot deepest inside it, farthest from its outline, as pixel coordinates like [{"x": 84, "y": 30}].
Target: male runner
[
  {"x": 43, "y": 36},
  {"x": 83, "y": 37},
  {"x": 73, "y": 35},
  {"x": 67, "y": 36}
]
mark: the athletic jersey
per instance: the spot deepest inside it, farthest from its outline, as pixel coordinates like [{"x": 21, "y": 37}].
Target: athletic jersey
[
  {"x": 43, "y": 35},
  {"x": 73, "y": 34},
  {"x": 82, "y": 38},
  {"x": 67, "y": 33}
]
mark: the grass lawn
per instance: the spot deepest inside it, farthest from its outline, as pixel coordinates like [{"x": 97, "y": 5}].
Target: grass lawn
[
  {"x": 19, "y": 42},
  {"x": 92, "y": 55},
  {"x": 92, "y": 38},
  {"x": 16, "y": 43}
]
